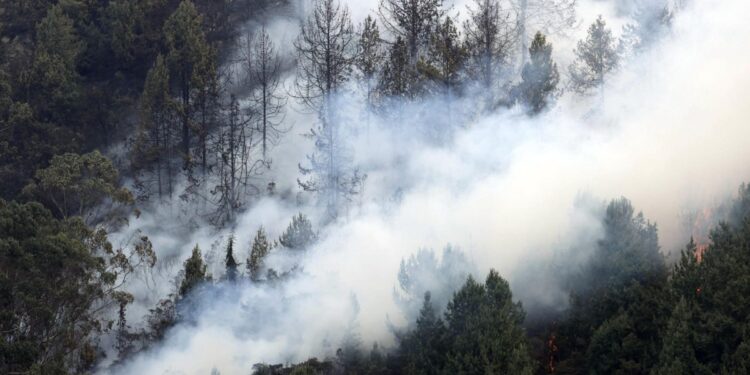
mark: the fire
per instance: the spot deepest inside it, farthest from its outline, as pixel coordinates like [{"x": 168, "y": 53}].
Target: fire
[
  {"x": 552, "y": 353},
  {"x": 702, "y": 223},
  {"x": 700, "y": 250}
]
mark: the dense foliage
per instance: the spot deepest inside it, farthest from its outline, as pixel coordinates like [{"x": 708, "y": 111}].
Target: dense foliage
[
  {"x": 58, "y": 280},
  {"x": 480, "y": 332},
  {"x": 629, "y": 314},
  {"x": 188, "y": 95},
  {"x": 71, "y": 72}
]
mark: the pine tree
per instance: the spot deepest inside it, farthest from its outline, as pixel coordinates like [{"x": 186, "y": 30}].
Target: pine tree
[
  {"x": 324, "y": 49},
  {"x": 678, "y": 348},
  {"x": 630, "y": 247},
  {"x": 230, "y": 263},
  {"x": 413, "y": 21},
  {"x": 369, "y": 60},
  {"x": 484, "y": 330},
  {"x": 236, "y": 163},
  {"x": 219, "y": 19},
  {"x": 446, "y": 59},
  {"x": 510, "y": 348},
  {"x": 740, "y": 210},
  {"x": 423, "y": 350},
  {"x": 52, "y": 81},
  {"x": 258, "y": 253},
  {"x": 651, "y": 20},
  {"x": 207, "y": 97},
  {"x": 325, "y": 52},
  {"x": 490, "y": 36},
  {"x": 399, "y": 78},
  {"x": 6, "y": 98},
  {"x": 609, "y": 352},
  {"x": 686, "y": 278},
  {"x": 349, "y": 355},
  {"x": 194, "y": 272},
  {"x": 716, "y": 290},
  {"x": 377, "y": 361},
  {"x": 20, "y": 16},
  {"x": 546, "y": 16},
  {"x": 189, "y": 62},
  {"x": 125, "y": 19},
  {"x": 153, "y": 146},
  {"x": 299, "y": 235},
  {"x": 440, "y": 274},
  {"x": 56, "y": 36},
  {"x": 596, "y": 57},
  {"x": 619, "y": 299},
  {"x": 263, "y": 69},
  {"x": 539, "y": 77}
]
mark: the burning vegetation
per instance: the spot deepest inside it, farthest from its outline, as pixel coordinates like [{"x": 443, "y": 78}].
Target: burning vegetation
[{"x": 285, "y": 155}]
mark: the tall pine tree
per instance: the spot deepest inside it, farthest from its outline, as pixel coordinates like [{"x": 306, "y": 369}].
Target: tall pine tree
[
  {"x": 194, "y": 272},
  {"x": 229, "y": 262},
  {"x": 490, "y": 36},
  {"x": 369, "y": 60},
  {"x": 263, "y": 69},
  {"x": 325, "y": 49},
  {"x": 52, "y": 82},
  {"x": 596, "y": 56},
  {"x": 539, "y": 77},
  {"x": 413, "y": 21},
  {"x": 189, "y": 64},
  {"x": 154, "y": 145},
  {"x": 258, "y": 252}
]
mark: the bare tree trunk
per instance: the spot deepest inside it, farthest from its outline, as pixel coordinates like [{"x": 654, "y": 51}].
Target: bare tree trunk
[
  {"x": 186, "y": 120},
  {"x": 522, "y": 20}
]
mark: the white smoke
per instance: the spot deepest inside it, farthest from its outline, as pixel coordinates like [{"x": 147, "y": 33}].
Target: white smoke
[{"x": 668, "y": 131}]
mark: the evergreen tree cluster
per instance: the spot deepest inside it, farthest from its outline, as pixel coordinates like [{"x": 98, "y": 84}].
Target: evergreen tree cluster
[
  {"x": 72, "y": 71},
  {"x": 77, "y": 76},
  {"x": 430, "y": 55},
  {"x": 194, "y": 273},
  {"x": 480, "y": 332},
  {"x": 630, "y": 313}
]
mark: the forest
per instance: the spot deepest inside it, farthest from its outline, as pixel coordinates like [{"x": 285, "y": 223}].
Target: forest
[{"x": 374, "y": 187}]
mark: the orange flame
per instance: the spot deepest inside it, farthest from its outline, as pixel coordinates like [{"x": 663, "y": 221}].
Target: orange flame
[
  {"x": 700, "y": 250},
  {"x": 702, "y": 223},
  {"x": 552, "y": 351}
]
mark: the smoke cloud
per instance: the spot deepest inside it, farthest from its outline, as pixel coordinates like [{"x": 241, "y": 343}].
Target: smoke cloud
[{"x": 669, "y": 131}]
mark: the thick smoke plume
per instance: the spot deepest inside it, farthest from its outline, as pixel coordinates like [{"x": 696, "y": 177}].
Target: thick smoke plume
[{"x": 669, "y": 131}]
